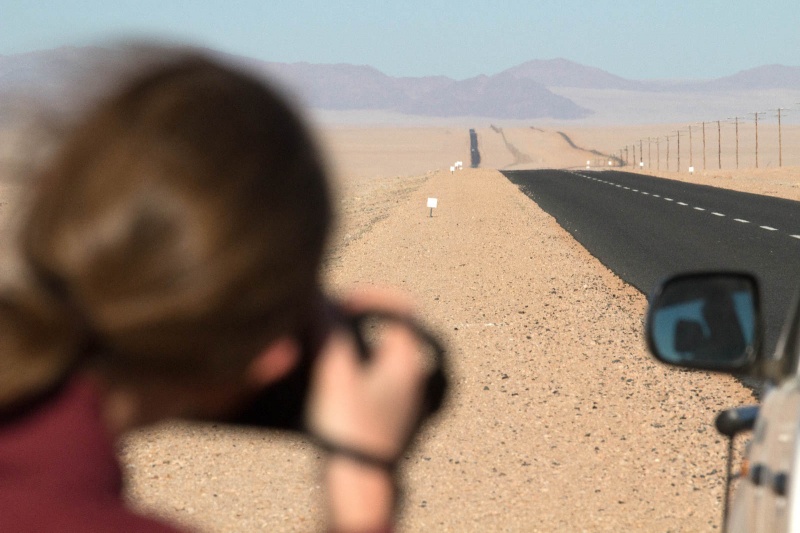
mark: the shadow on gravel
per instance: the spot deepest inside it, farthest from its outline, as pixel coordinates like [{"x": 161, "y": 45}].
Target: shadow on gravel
[
  {"x": 595, "y": 152},
  {"x": 519, "y": 156}
]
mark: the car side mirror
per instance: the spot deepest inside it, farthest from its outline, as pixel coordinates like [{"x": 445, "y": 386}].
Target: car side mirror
[{"x": 708, "y": 321}]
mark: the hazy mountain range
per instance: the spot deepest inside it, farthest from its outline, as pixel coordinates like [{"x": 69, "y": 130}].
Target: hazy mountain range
[{"x": 541, "y": 89}]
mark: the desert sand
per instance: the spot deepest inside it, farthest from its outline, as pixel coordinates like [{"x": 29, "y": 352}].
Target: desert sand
[{"x": 558, "y": 419}]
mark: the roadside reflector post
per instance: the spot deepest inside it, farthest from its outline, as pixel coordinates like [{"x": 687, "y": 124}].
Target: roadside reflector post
[
  {"x": 691, "y": 170},
  {"x": 432, "y": 203},
  {"x": 452, "y": 169}
]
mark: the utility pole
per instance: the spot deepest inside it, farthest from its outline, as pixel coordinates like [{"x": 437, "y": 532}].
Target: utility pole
[
  {"x": 755, "y": 114},
  {"x": 649, "y": 152},
  {"x": 691, "y": 163},
  {"x": 667, "y": 153},
  {"x": 719, "y": 145},
  {"x": 640, "y": 154},
  {"x": 704, "y": 145},
  {"x": 736, "y": 122},
  {"x": 679, "y": 151},
  {"x": 780, "y": 141}
]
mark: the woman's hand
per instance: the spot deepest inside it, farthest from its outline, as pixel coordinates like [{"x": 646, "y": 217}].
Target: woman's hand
[{"x": 371, "y": 408}]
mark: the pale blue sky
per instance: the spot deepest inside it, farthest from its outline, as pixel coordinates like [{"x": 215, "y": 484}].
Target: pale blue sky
[{"x": 641, "y": 39}]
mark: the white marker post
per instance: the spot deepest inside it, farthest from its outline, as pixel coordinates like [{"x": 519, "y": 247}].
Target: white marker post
[
  {"x": 432, "y": 203},
  {"x": 610, "y": 163},
  {"x": 641, "y": 164},
  {"x": 588, "y": 165},
  {"x": 691, "y": 170},
  {"x": 452, "y": 169}
]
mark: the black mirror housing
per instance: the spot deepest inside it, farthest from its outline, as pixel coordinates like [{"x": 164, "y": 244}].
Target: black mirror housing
[{"x": 708, "y": 320}]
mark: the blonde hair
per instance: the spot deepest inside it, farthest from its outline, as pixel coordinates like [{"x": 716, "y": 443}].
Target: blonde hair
[{"x": 179, "y": 228}]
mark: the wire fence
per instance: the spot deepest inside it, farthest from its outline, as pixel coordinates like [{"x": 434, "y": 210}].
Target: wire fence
[{"x": 759, "y": 139}]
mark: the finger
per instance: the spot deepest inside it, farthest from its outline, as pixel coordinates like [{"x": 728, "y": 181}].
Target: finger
[
  {"x": 380, "y": 299},
  {"x": 338, "y": 356},
  {"x": 402, "y": 341},
  {"x": 400, "y": 354}
]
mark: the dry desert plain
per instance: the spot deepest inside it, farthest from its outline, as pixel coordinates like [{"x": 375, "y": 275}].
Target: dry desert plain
[{"x": 558, "y": 418}]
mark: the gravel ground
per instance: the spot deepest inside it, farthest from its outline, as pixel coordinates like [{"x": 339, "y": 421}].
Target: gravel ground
[{"x": 558, "y": 420}]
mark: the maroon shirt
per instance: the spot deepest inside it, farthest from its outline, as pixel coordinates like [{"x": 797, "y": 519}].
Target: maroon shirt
[{"x": 59, "y": 471}]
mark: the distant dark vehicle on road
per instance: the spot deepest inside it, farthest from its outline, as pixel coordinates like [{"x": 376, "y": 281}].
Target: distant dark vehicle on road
[{"x": 474, "y": 153}]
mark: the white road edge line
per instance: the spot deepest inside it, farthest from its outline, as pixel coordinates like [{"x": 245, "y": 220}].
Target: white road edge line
[
  {"x": 681, "y": 203},
  {"x": 668, "y": 199},
  {"x": 743, "y": 221},
  {"x": 700, "y": 208},
  {"x": 795, "y": 236},
  {"x": 717, "y": 214},
  {"x": 768, "y": 228}
]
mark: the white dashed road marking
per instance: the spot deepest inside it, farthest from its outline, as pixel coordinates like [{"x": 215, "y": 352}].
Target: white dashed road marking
[{"x": 715, "y": 213}]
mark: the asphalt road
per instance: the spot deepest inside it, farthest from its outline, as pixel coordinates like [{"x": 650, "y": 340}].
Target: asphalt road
[{"x": 645, "y": 229}]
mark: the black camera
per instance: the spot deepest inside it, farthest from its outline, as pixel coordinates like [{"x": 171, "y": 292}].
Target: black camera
[{"x": 282, "y": 405}]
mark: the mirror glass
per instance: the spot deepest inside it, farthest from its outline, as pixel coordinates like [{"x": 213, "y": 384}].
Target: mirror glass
[{"x": 705, "y": 321}]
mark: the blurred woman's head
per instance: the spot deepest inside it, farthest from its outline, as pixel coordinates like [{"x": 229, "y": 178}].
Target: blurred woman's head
[{"x": 178, "y": 231}]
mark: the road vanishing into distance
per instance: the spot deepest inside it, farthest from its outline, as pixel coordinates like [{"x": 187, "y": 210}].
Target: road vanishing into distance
[{"x": 645, "y": 228}]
